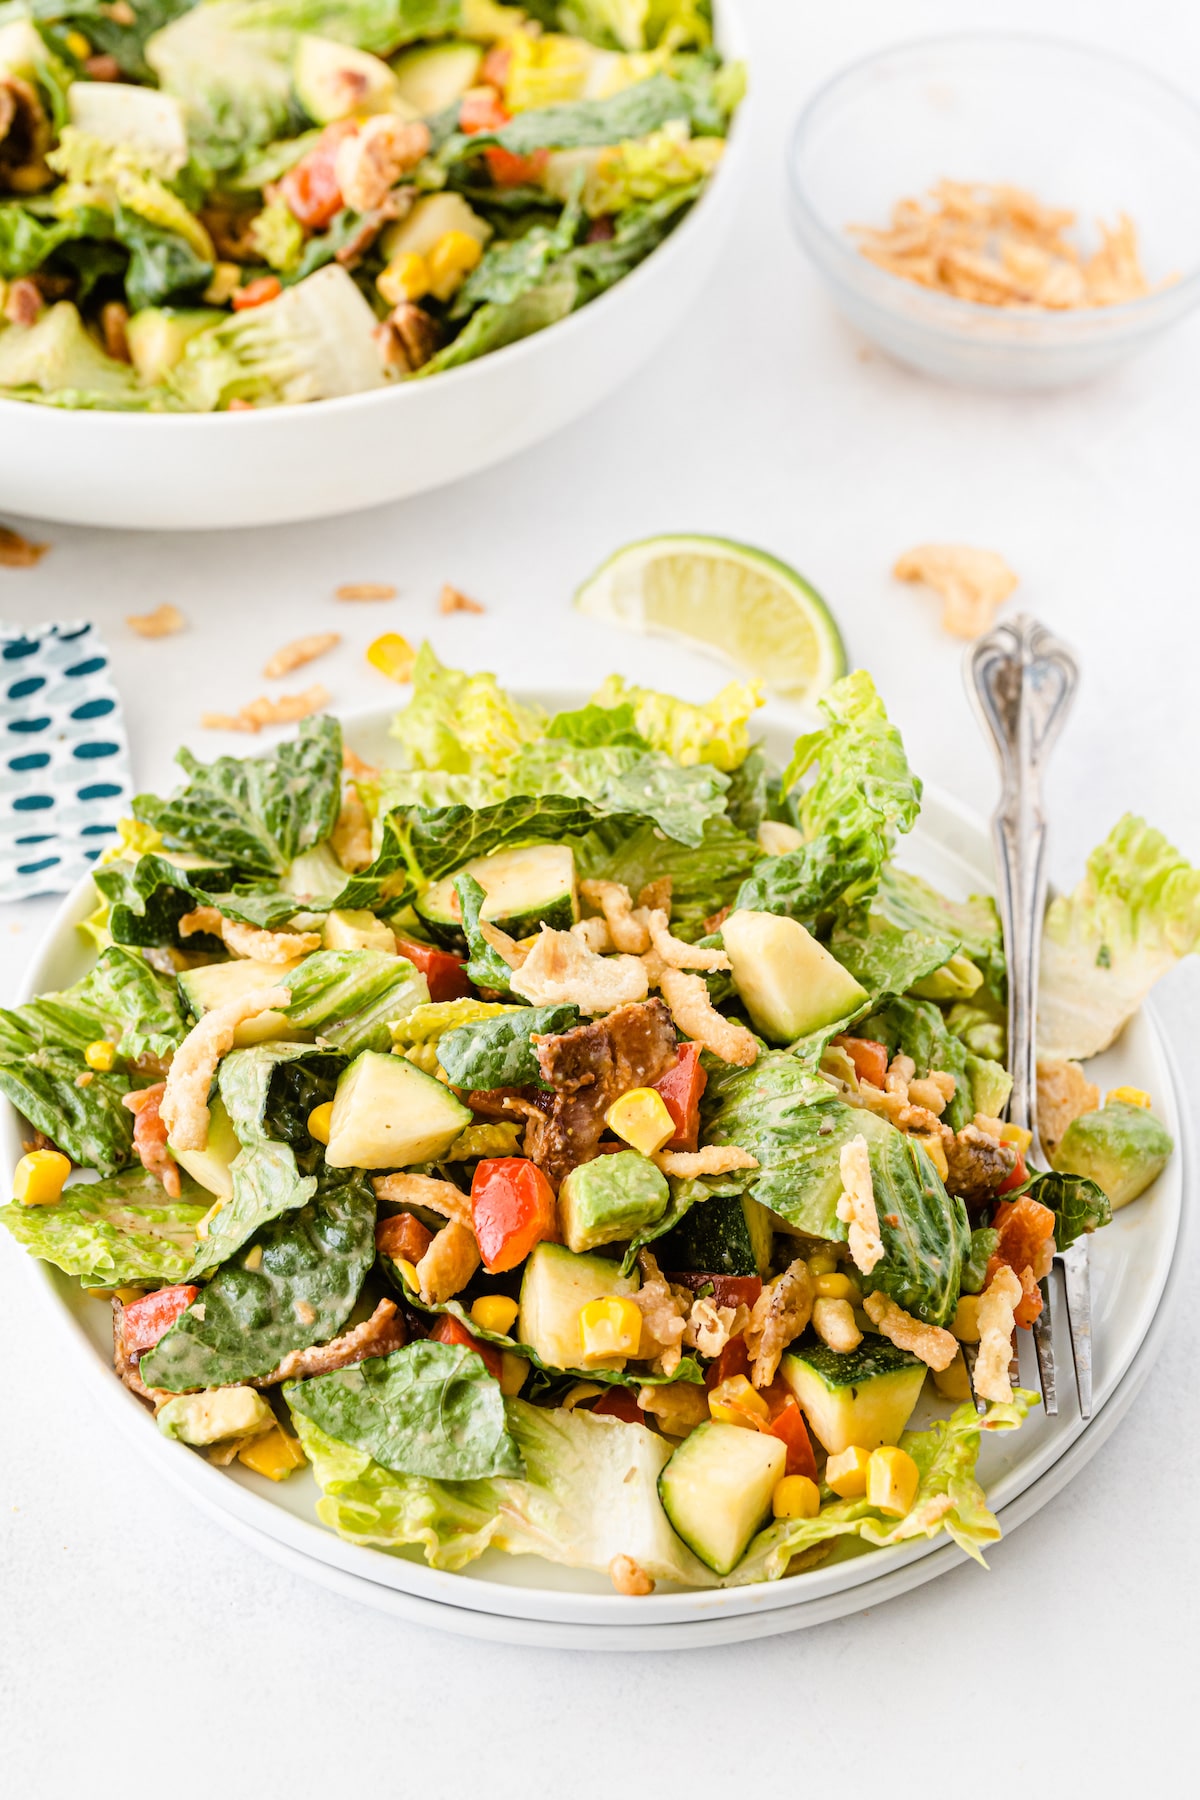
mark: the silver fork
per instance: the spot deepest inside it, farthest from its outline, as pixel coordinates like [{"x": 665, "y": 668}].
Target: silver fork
[{"x": 1022, "y": 681}]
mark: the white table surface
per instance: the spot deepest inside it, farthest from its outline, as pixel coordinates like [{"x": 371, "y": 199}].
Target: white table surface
[{"x": 138, "y": 1639}]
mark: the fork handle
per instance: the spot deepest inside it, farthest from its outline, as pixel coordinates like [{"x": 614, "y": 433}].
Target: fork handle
[{"x": 1023, "y": 681}]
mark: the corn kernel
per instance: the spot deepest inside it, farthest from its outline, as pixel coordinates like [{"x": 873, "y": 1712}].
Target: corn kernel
[
  {"x": 226, "y": 280},
  {"x": 609, "y": 1327},
  {"x": 822, "y": 1262},
  {"x": 393, "y": 656},
  {"x": 100, "y": 1055},
  {"x": 319, "y": 1122},
  {"x": 953, "y": 1383},
  {"x": 78, "y": 45},
  {"x": 641, "y": 1117},
  {"x": 796, "y": 1497},
  {"x": 846, "y": 1473},
  {"x": 965, "y": 1323},
  {"x": 838, "y": 1287},
  {"x": 892, "y": 1481},
  {"x": 450, "y": 261},
  {"x": 513, "y": 1370},
  {"x": 405, "y": 278},
  {"x": 736, "y": 1402},
  {"x": 935, "y": 1150},
  {"x": 39, "y": 1176},
  {"x": 495, "y": 1312},
  {"x": 274, "y": 1454},
  {"x": 1130, "y": 1095},
  {"x": 1016, "y": 1134},
  {"x": 412, "y": 1280}
]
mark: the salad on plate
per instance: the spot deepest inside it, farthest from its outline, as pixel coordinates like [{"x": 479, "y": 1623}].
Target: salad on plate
[
  {"x": 209, "y": 205},
  {"x": 579, "y": 1137}
]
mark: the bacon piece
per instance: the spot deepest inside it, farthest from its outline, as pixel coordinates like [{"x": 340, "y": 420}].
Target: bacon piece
[
  {"x": 379, "y": 1335},
  {"x": 588, "y": 1068},
  {"x": 150, "y": 1135}
]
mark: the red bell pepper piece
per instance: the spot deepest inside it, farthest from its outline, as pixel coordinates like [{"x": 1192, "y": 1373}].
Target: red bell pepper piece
[
  {"x": 681, "y": 1088},
  {"x": 870, "y": 1059},
  {"x": 144, "y": 1321},
  {"x": 787, "y": 1424},
  {"x": 482, "y": 109},
  {"x": 1025, "y": 1225},
  {"x": 310, "y": 186},
  {"x": 727, "y": 1290},
  {"x": 512, "y": 1205},
  {"x": 619, "y": 1403},
  {"x": 445, "y": 974},
  {"x": 257, "y": 293},
  {"x": 495, "y": 65},
  {"x": 1018, "y": 1178},
  {"x": 450, "y": 1330},
  {"x": 510, "y": 170},
  {"x": 733, "y": 1360},
  {"x": 402, "y": 1237}
]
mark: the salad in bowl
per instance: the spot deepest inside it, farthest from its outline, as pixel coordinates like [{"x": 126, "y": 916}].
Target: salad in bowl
[
  {"x": 239, "y": 204},
  {"x": 573, "y": 1135}
]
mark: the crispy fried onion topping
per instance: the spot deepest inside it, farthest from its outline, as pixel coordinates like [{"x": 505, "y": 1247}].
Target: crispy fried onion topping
[
  {"x": 997, "y": 1306},
  {"x": 678, "y": 955},
  {"x": 448, "y": 1264},
  {"x": 629, "y": 1577},
  {"x": 713, "y": 1159},
  {"x": 184, "y": 1105},
  {"x": 593, "y": 933},
  {"x": 249, "y": 940},
  {"x": 972, "y": 584},
  {"x": 857, "y": 1205},
  {"x": 834, "y": 1323},
  {"x": 934, "y": 1346},
  {"x": 560, "y": 968},
  {"x": 1063, "y": 1093},
  {"x": 422, "y": 1190},
  {"x": 351, "y": 837},
  {"x": 628, "y": 928},
  {"x": 780, "y": 1314},
  {"x": 710, "y": 1327},
  {"x": 664, "y": 1311},
  {"x": 695, "y": 1015}
]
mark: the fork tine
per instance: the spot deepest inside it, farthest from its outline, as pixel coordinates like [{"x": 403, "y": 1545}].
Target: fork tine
[
  {"x": 1078, "y": 1286},
  {"x": 1043, "y": 1343},
  {"x": 970, "y": 1352}
]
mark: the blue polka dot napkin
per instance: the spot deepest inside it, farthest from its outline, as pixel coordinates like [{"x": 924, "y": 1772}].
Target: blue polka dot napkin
[{"x": 64, "y": 761}]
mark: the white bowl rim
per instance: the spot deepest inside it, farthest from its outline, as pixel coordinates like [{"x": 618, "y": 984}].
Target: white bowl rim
[
  {"x": 732, "y": 29},
  {"x": 213, "y": 1490},
  {"x": 1174, "y": 296}
]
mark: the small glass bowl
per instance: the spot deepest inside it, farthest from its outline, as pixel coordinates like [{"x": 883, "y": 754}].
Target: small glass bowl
[{"x": 1078, "y": 127}]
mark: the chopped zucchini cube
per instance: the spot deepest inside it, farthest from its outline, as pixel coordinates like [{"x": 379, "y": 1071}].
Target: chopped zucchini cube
[
  {"x": 717, "y": 1488},
  {"x": 790, "y": 982},
  {"x": 864, "y": 1396},
  {"x": 555, "y": 1288},
  {"x": 524, "y": 888},
  {"x": 387, "y": 1113},
  {"x": 204, "y": 989}
]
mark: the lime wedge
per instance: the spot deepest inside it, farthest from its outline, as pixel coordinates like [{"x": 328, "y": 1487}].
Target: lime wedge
[{"x": 741, "y": 603}]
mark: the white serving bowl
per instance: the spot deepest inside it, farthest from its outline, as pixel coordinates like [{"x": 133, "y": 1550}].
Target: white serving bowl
[
  {"x": 1078, "y": 127},
  {"x": 183, "y": 472}
]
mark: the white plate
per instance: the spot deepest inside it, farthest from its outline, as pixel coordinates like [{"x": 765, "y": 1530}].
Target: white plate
[
  {"x": 181, "y": 471},
  {"x": 525, "y": 1599}
]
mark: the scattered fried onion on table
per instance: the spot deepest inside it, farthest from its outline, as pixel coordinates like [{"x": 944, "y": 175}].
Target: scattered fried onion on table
[{"x": 1000, "y": 246}]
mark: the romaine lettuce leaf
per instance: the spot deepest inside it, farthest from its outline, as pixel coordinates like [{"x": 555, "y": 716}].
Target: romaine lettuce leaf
[
  {"x": 917, "y": 1028},
  {"x": 268, "y": 1115},
  {"x": 125, "y": 177},
  {"x": 642, "y": 169},
  {"x": 146, "y": 897},
  {"x": 983, "y": 1247},
  {"x": 594, "y": 727},
  {"x": 1133, "y": 916},
  {"x": 352, "y": 997},
  {"x": 911, "y": 904},
  {"x": 139, "y": 1007},
  {"x": 429, "y": 1409},
  {"x": 299, "y": 1291},
  {"x": 1078, "y": 1204},
  {"x": 497, "y": 1052},
  {"x": 486, "y": 968},
  {"x": 703, "y": 880},
  {"x": 716, "y": 732},
  {"x": 122, "y": 1229},
  {"x": 949, "y": 1498},
  {"x": 463, "y": 724},
  {"x": 589, "y": 1494},
  {"x": 884, "y": 958},
  {"x": 89, "y": 1123},
  {"x": 429, "y": 1024},
  {"x": 633, "y": 112},
  {"x": 256, "y": 812}
]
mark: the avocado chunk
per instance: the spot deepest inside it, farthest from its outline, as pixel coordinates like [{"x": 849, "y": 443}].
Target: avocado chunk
[
  {"x": 56, "y": 354},
  {"x": 434, "y": 76},
  {"x": 864, "y": 1396},
  {"x": 212, "y": 1167},
  {"x": 555, "y": 1285},
  {"x": 716, "y": 1490},
  {"x": 1122, "y": 1148},
  {"x": 790, "y": 983},
  {"x": 203, "y": 989},
  {"x": 609, "y": 1198},
  {"x": 731, "y": 1234},
  {"x": 524, "y": 888},
  {"x": 387, "y": 1113},
  {"x": 357, "y": 930},
  {"x": 215, "y": 1413},
  {"x": 159, "y": 335},
  {"x": 336, "y": 81}
]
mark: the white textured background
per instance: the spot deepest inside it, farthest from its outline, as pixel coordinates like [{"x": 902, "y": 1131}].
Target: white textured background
[{"x": 138, "y": 1642}]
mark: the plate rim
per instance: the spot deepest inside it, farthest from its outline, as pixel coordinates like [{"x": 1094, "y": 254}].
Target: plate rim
[{"x": 256, "y": 1516}]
